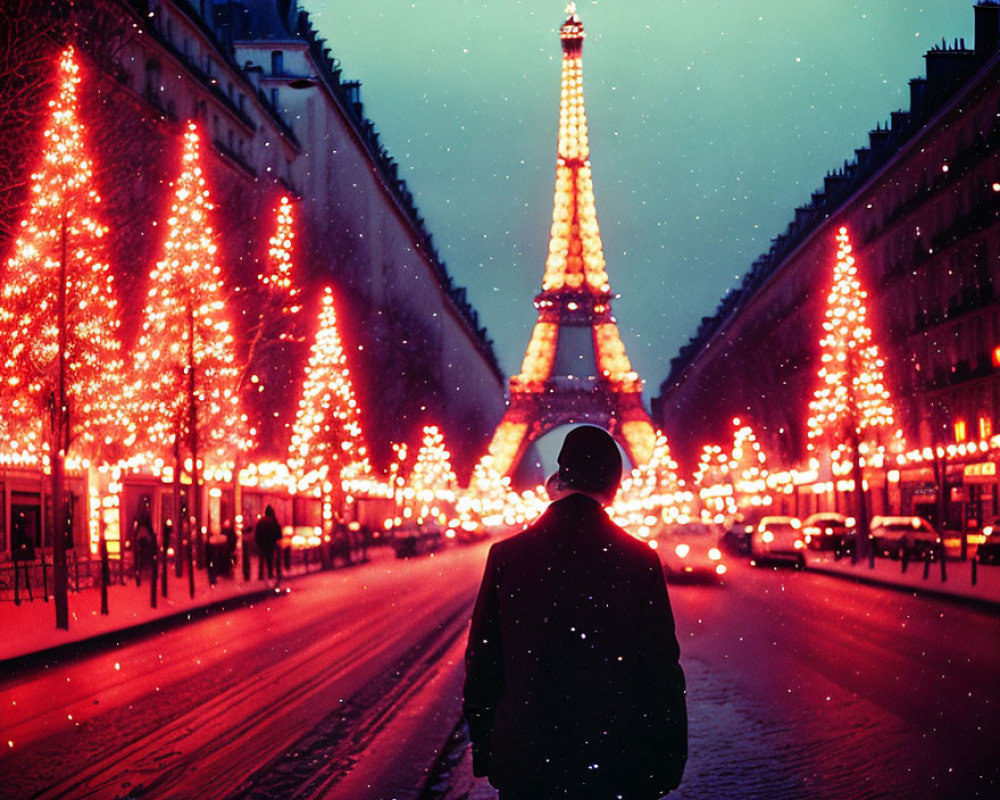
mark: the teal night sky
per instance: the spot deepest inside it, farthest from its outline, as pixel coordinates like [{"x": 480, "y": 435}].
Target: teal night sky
[{"x": 709, "y": 123}]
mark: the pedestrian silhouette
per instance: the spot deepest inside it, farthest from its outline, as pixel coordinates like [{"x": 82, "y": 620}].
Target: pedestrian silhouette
[
  {"x": 266, "y": 534},
  {"x": 573, "y": 683},
  {"x": 143, "y": 540}
]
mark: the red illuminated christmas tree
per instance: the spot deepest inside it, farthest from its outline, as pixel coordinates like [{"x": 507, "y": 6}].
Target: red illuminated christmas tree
[
  {"x": 850, "y": 413},
  {"x": 748, "y": 467},
  {"x": 187, "y": 387},
  {"x": 61, "y": 355},
  {"x": 327, "y": 439},
  {"x": 432, "y": 472},
  {"x": 430, "y": 491},
  {"x": 852, "y": 399},
  {"x": 185, "y": 361},
  {"x": 277, "y": 277},
  {"x": 59, "y": 347},
  {"x": 279, "y": 299}
]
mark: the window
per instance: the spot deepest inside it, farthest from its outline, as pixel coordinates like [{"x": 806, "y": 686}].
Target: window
[
  {"x": 277, "y": 62},
  {"x": 25, "y": 523},
  {"x": 985, "y": 427},
  {"x": 960, "y": 432}
]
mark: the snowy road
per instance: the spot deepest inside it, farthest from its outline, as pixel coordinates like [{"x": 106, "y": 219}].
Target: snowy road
[
  {"x": 807, "y": 687},
  {"x": 800, "y": 686},
  {"x": 280, "y": 699}
]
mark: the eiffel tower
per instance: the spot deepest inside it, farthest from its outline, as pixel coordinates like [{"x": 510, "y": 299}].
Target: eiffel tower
[{"x": 575, "y": 369}]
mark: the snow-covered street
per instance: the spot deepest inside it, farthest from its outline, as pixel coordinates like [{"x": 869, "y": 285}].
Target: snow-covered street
[
  {"x": 801, "y": 685},
  {"x": 345, "y": 685}
]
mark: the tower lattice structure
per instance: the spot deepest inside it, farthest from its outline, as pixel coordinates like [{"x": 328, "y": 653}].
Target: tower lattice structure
[{"x": 575, "y": 368}]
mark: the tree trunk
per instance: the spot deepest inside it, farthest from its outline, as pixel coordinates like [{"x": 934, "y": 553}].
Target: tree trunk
[
  {"x": 862, "y": 543},
  {"x": 193, "y": 435},
  {"x": 59, "y": 426},
  {"x": 178, "y": 521}
]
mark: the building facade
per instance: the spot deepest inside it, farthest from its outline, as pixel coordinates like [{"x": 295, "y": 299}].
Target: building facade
[{"x": 922, "y": 204}]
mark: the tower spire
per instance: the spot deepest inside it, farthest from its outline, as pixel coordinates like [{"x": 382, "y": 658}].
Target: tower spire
[{"x": 575, "y": 368}]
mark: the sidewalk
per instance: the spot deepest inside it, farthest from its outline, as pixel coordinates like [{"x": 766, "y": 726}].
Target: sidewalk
[
  {"x": 29, "y": 629},
  {"x": 957, "y": 583}
]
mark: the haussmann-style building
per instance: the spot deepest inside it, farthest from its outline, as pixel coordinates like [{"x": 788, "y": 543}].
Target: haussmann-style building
[{"x": 921, "y": 203}]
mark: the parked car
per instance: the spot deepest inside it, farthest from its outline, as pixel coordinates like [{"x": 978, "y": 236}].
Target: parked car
[
  {"x": 895, "y": 537},
  {"x": 988, "y": 551},
  {"x": 828, "y": 530},
  {"x": 778, "y": 539},
  {"x": 414, "y": 541},
  {"x": 691, "y": 552}
]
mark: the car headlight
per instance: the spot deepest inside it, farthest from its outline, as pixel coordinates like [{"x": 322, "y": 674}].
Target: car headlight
[
  {"x": 767, "y": 537},
  {"x": 715, "y": 554},
  {"x": 799, "y": 544},
  {"x": 682, "y": 550}
]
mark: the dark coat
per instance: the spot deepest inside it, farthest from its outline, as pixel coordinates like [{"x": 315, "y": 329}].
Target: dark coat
[
  {"x": 573, "y": 685},
  {"x": 267, "y": 532}
]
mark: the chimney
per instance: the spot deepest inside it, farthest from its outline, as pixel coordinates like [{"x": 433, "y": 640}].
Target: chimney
[
  {"x": 879, "y": 139},
  {"x": 947, "y": 68},
  {"x": 987, "y": 28},
  {"x": 918, "y": 91}
]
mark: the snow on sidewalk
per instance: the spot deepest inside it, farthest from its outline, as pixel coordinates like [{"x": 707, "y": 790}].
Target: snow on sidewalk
[
  {"x": 31, "y": 626},
  {"x": 888, "y": 572}
]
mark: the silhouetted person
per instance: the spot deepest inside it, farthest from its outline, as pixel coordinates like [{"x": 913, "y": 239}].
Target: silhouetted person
[
  {"x": 143, "y": 540},
  {"x": 573, "y": 686},
  {"x": 266, "y": 535},
  {"x": 229, "y": 534}
]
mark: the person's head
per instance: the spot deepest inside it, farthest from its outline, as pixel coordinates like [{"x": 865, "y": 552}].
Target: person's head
[
  {"x": 269, "y": 512},
  {"x": 589, "y": 462}
]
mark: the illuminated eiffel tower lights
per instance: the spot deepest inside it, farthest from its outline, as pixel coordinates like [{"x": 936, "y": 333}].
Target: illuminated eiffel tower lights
[{"x": 575, "y": 368}]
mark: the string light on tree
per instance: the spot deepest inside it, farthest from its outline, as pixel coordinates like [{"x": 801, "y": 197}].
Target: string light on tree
[
  {"x": 59, "y": 315},
  {"x": 187, "y": 378},
  {"x": 432, "y": 482},
  {"x": 851, "y": 410},
  {"x": 715, "y": 483},
  {"x": 279, "y": 261},
  {"x": 748, "y": 466},
  {"x": 852, "y": 396},
  {"x": 62, "y": 384},
  {"x": 653, "y": 493},
  {"x": 327, "y": 441},
  {"x": 487, "y": 497}
]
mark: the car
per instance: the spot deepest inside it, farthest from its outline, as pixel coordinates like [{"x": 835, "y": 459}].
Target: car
[
  {"x": 828, "y": 530},
  {"x": 988, "y": 551},
  {"x": 736, "y": 539},
  {"x": 898, "y": 537},
  {"x": 778, "y": 539},
  {"x": 417, "y": 541},
  {"x": 690, "y": 551}
]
